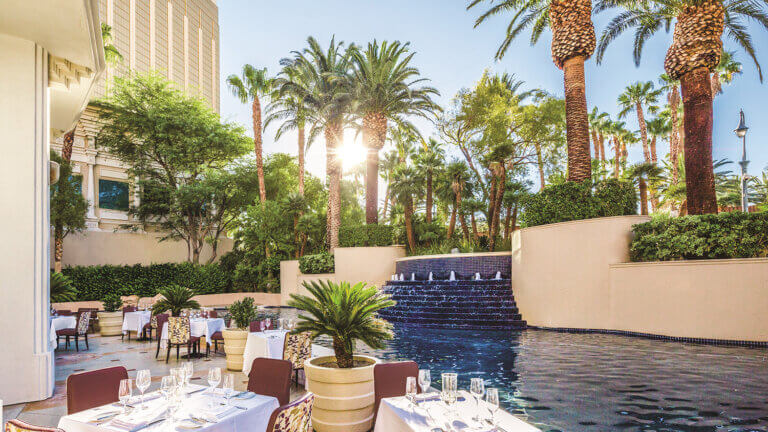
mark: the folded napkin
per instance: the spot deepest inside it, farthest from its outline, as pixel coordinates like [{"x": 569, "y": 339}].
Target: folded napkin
[
  {"x": 433, "y": 397},
  {"x": 245, "y": 395},
  {"x": 219, "y": 412},
  {"x": 147, "y": 397},
  {"x": 133, "y": 425}
]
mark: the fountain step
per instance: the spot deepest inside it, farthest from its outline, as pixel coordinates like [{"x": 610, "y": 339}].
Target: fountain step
[
  {"x": 453, "y": 297},
  {"x": 485, "y": 327},
  {"x": 463, "y": 306},
  {"x": 448, "y": 316},
  {"x": 444, "y": 281},
  {"x": 505, "y": 291},
  {"x": 480, "y": 323}
]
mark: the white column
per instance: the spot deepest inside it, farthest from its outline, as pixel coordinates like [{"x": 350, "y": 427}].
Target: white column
[
  {"x": 26, "y": 370},
  {"x": 90, "y": 190}
]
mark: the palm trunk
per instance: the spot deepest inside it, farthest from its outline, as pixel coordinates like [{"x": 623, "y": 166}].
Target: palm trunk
[
  {"x": 577, "y": 121},
  {"x": 653, "y": 150},
  {"x": 475, "y": 235},
  {"x": 514, "y": 218},
  {"x": 595, "y": 143},
  {"x": 717, "y": 86},
  {"x": 617, "y": 161},
  {"x": 674, "y": 137},
  {"x": 332, "y": 135},
  {"x": 507, "y": 222},
  {"x": 386, "y": 202},
  {"x": 429, "y": 198},
  {"x": 643, "y": 131},
  {"x": 409, "y": 224},
  {"x": 500, "y": 186},
  {"x": 257, "y": 147},
  {"x": 492, "y": 198},
  {"x": 464, "y": 227},
  {"x": 699, "y": 173},
  {"x": 540, "y": 165},
  {"x": 643, "y": 196},
  {"x": 602, "y": 147},
  {"x": 344, "y": 357},
  {"x": 452, "y": 223},
  {"x": 58, "y": 251},
  {"x": 374, "y": 136},
  {"x": 302, "y": 149}
]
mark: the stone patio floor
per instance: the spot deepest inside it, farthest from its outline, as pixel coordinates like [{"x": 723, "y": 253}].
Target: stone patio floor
[{"x": 108, "y": 352}]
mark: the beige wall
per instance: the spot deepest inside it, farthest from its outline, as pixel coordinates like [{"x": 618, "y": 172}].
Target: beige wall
[
  {"x": 560, "y": 271},
  {"x": 710, "y": 299},
  {"x": 126, "y": 248}
]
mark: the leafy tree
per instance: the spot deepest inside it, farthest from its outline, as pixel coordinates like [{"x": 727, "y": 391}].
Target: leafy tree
[{"x": 68, "y": 207}]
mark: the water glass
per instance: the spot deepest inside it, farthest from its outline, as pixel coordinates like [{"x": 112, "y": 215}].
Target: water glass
[
  {"x": 268, "y": 322},
  {"x": 477, "y": 389},
  {"x": 492, "y": 397},
  {"x": 410, "y": 390},
  {"x": 448, "y": 395},
  {"x": 189, "y": 369},
  {"x": 125, "y": 392},
  {"x": 214, "y": 378},
  {"x": 143, "y": 380},
  {"x": 424, "y": 380},
  {"x": 229, "y": 387}
]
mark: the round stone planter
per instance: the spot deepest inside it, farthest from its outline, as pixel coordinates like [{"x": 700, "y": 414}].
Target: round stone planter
[
  {"x": 110, "y": 323},
  {"x": 344, "y": 398},
  {"x": 234, "y": 346}
]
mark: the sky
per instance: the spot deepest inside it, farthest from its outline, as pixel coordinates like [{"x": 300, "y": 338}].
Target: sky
[{"x": 453, "y": 55}]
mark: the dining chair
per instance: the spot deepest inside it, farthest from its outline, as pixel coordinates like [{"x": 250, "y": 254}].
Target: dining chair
[
  {"x": 389, "y": 380},
  {"x": 178, "y": 335},
  {"x": 213, "y": 314},
  {"x": 20, "y": 426},
  {"x": 162, "y": 319},
  {"x": 63, "y": 312},
  {"x": 92, "y": 321},
  {"x": 86, "y": 390},
  {"x": 297, "y": 349},
  {"x": 216, "y": 337},
  {"x": 254, "y": 326},
  {"x": 294, "y": 417},
  {"x": 271, "y": 377},
  {"x": 81, "y": 330}
]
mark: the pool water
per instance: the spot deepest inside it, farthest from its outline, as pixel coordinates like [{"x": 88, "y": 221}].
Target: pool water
[{"x": 594, "y": 382}]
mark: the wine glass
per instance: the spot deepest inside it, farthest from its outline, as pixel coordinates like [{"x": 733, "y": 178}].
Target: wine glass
[
  {"x": 424, "y": 380},
  {"x": 125, "y": 392},
  {"x": 214, "y": 378},
  {"x": 262, "y": 325},
  {"x": 228, "y": 386},
  {"x": 143, "y": 380},
  {"x": 166, "y": 386},
  {"x": 267, "y": 322},
  {"x": 477, "y": 388},
  {"x": 410, "y": 390},
  {"x": 492, "y": 397},
  {"x": 189, "y": 369}
]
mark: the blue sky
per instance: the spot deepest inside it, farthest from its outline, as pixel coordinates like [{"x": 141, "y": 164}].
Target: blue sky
[{"x": 453, "y": 55}]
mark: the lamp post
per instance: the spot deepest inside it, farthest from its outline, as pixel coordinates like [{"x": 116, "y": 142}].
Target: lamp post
[{"x": 741, "y": 132}]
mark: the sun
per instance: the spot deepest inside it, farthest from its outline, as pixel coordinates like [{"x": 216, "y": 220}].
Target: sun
[{"x": 352, "y": 151}]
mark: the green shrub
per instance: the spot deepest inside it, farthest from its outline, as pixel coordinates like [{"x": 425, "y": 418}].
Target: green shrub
[
  {"x": 724, "y": 235},
  {"x": 365, "y": 235},
  {"x": 576, "y": 201},
  {"x": 316, "y": 264},
  {"x": 94, "y": 282},
  {"x": 112, "y": 302},
  {"x": 62, "y": 289},
  {"x": 242, "y": 312}
]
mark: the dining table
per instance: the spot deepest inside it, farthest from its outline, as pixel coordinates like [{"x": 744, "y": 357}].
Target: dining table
[
  {"x": 135, "y": 321},
  {"x": 430, "y": 414},
  {"x": 198, "y": 327},
  {"x": 269, "y": 344},
  {"x": 60, "y": 323},
  {"x": 200, "y": 410}
]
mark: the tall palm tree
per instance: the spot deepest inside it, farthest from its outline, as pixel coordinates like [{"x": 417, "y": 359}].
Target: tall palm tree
[
  {"x": 406, "y": 183},
  {"x": 387, "y": 88},
  {"x": 694, "y": 54},
  {"x": 388, "y": 165},
  {"x": 598, "y": 122},
  {"x": 672, "y": 88},
  {"x": 251, "y": 87},
  {"x": 428, "y": 161},
  {"x": 644, "y": 173},
  {"x": 725, "y": 71},
  {"x": 637, "y": 96},
  {"x": 658, "y": 128},
  {"x": 457, "y": 175},
  {"x": 326, "y": 89},
  {"x": 573, "y": 42}
]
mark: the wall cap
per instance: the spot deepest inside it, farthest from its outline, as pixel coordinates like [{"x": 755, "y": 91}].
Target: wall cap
[
  {"x": 640, "y": 219},
  {"x": 459, "y": 255},
  {"x": 728, "y": 261}
]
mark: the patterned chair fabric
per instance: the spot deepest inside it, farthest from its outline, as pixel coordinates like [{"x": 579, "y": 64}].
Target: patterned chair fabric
[
  {"x": 19, "y": 426},
  {"x": 294, "y": 417},
  {"x": 297, "y": 349},
  {"x": 82, "y": 323},
  {"x": 178, "y": 330}
]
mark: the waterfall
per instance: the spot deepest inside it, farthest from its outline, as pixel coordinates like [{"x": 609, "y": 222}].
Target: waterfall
[
  {"x": 430, "y": 277},
  {"x": 453, "y": 276},
  {"x": 413, "y": 277},
  {"x": 498, "y": 275},
  {"x": 477, "y": 276}
]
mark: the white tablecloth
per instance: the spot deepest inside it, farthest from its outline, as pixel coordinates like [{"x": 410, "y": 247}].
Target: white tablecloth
[
  {"x": 199, "y": 327},
  {"x": 134, "y": 321},
  {"x": 397, "y": 415},
  {"x": 267, "y": 344},
  {"x": 59, "y": 323},
  {"x": 254, "y": 418}
]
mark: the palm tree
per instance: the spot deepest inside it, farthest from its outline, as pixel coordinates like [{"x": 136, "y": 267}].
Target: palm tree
[
  {"x": 636, "y": 96},
  {"x": 695, "y": 53},
  {"x": 175, "y": 299},
  {"x": 644, "y": 173},
  {"x": 658, "y": 128},
  {"x": 251, "y": 87},
  {"x": 326, "y": 89},
  {"x": 406, "y": 183},
  {"x": 428, "y": 161},
  {"x": 457, "y": 175},
  {"x": 672, "y": 88},
  {"x": 725, "y": 71},
  {"x": 573, "y": 42},
  {"x": 388, "y": 165},
  {"x": 598, "y": 122},
  {"x": 387, "y": 88}
]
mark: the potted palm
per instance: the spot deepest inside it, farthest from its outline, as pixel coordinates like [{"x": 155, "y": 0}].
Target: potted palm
[
  {"x": 111, "y": 319},
  {"x": 175, "y": 299},
  {"x": 342, "y": 383},
  {"x": 241, "y": 313}
]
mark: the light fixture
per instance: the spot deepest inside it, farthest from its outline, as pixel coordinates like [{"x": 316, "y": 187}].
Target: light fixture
[{"x": 741, "y": 131}]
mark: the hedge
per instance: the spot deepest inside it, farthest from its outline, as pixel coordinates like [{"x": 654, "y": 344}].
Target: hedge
[
  {"x": 95, "y": 282},
  {"x": 714, "y": 236},
  {"x": 366, "y": 235},
  {"x": 317, "y": 264},
  {"x": 575, "y": 201}
]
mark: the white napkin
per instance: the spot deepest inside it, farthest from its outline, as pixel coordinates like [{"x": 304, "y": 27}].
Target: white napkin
[{"x": 220, "y": 412}]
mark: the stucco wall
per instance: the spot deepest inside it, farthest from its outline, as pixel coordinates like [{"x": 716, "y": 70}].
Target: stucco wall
[
  {"x": 709, "y": 299},
  {"x": 126, "y": 248}
]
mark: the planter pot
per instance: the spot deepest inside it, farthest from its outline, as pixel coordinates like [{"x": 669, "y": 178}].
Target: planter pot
[
  {"x": 234, "y": 346},
  {"x": 110, "y": 323},
  {"x": 344, "y": 398}
]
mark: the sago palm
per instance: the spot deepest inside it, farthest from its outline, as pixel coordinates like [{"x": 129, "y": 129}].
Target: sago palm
[
  {"x": 251, "y": 87},
  {"x": 62, "y": 289},
  {"x": 694, "y": 54},
  {"x": 346, "y": 313},
  {"x": 387, "y": 88},
  {"x": 573, "y": 42},
  {"x": 175, "y": 299},
  {"x": 639, "y": 97}
]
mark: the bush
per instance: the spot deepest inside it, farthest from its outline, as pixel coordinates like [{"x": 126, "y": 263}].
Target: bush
[
  {"x": 242, "y": 312},
  {"x": 366, "y": 235},
  {"x": 724, "y": 235},
  {"x": 112, "y": 302},
  {"x": 316, "y": 264},
  {"x": 576, "y": 201},
  {"x": 95, "y": 282}
]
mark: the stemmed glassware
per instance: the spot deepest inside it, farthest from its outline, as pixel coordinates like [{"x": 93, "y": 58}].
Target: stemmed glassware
[
  {"x": 143, "y": 380},
  {"x": 125, "y": 392},
  {"x": 411, "y": 390},
  {"x": 477, "y": 388},
  {"x": 492, "y": 397},
  {"x": 229, "y": 387},
  {"x": 214, "y": 378},
  {"x": 189, "y": 369},
  {"x": 424, "y": 380}
]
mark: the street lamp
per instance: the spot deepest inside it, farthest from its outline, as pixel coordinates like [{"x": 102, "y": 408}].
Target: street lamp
[{"x": 741, "y": 132}]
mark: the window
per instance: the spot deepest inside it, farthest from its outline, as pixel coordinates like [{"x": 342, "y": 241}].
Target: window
[
  {"x": 113, "y": 195},
  {"x": 77, "y": 182}
]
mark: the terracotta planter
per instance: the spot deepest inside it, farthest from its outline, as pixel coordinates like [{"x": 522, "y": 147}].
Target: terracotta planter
[
  {"x": 234, "y": 346},
  {"x": 344, "y": 398},
  {"x": 110, "y": 323}
]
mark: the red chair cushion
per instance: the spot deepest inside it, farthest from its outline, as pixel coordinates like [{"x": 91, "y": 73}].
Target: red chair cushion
[
  {"x": 66, "y": 332},
  {"x": 389, "y": 380},
  {"x": 217, "y": 336},
  {"x": 88, "y": 390},
  {"x": 271, "y": 377}
]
